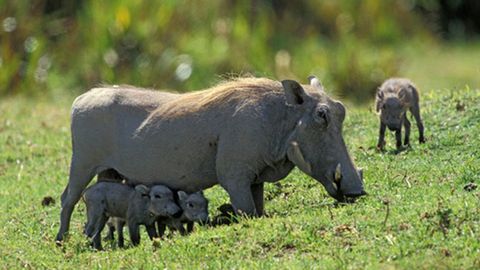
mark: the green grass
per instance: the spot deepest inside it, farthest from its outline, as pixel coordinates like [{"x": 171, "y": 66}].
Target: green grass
[
  {"x": 432, "y": 221},
  {"x": 450, "y": 66}
]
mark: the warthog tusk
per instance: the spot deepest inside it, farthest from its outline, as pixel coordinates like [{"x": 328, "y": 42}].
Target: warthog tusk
[
  {"x": 338, "y": 173},
  {"x": 295, "y": 155}
]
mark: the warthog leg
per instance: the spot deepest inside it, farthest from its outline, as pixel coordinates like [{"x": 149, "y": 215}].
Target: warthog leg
[
  {"x": 407, "y": 125},
  {"x": 97, "y": 236},
  {"x": 398, "y": 137},
  {"x": 161, "y": 228},
  {"x": 119, "y": 227},
  {"x": 257, "y": 193},
  {"x": 79, "y": 178},
  {"x": 415, "y": 110},
  {"x": 241, "y": 196},
  {"x": 152, "y": 231},
  {"x": 134, "y": 231},
  {"x": 111, "y": 233},
  {"x": 189, "y": 227},
  {"x": 381, "y": 136}
]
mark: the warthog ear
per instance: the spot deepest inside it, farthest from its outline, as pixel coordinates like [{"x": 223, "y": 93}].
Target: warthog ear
[
  {"x": 294, "y": 92},
  {"x": 315, "y": 82},
  {"x": 182, "y": 195},
  {"x": 378, "y": 99},
  {"x": 142, "y": 189},
  {"x": 295, "y": 155},
  {"x": 403, "y": 97},
  {"x": 402, "y": 94}
]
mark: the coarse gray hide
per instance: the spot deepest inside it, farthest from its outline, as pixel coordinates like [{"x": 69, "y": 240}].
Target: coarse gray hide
[{"x": 238, "y": 134}]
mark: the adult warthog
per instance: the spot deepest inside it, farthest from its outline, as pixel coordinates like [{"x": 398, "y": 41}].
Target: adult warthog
[{"x": 238, "y": 134}]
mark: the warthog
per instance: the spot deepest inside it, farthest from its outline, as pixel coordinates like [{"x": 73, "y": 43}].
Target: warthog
[
  {"x": 394, "y": 97},
  {"x": 194, "y": 209},
  {"x": 238, "y": 134},
  {"x": 137, "y": 206}
]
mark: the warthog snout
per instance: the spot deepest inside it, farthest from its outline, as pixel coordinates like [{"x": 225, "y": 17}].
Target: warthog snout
[
  {"x": 169, "y": 210},
  {"x": 348, "y": 193},
  {"x": 356, "y": 195},
  {"x": 350, "y": 198},
  {"x": 174, "y": 210}
]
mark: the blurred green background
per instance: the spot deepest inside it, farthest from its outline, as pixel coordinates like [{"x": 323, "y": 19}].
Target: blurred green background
[{"x": 52, "y": 47}]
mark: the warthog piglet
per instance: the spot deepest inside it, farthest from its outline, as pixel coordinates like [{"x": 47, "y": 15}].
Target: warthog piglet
[
  {"x": 194, "y": 209},
  {"x": 136, "y": 206},
  {"x": 394, "y": 98}
]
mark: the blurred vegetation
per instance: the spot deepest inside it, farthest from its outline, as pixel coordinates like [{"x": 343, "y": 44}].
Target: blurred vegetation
[{"x": 47, "y": 46}]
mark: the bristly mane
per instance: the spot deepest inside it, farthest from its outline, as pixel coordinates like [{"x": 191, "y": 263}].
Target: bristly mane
[{"x": 240, "y": 90}]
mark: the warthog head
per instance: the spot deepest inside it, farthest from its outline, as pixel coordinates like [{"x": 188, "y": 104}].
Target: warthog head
[
  {"x": 194, "y": 206},
  {"x": 316, "y": 146},
  {"x": 392, "y": 108},
  {"x": 162, "y": 202}
]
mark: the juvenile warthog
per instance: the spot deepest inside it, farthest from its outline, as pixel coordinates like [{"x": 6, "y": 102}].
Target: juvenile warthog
[
  {"x": 138, "y": 206},
  {"x": 394, "y": 97},
  {"x": 238, "y": 134},
  {"x": 194, "y": 209}
]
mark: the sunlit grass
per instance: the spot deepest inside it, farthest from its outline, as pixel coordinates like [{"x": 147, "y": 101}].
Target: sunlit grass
[
  {"x": 432, "y": 221},
  {"x": 450, "y": 66}
]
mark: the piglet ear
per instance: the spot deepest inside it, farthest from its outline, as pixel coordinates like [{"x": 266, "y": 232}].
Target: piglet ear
[
  {"x": 380, "y": 94},
  {"x": 402, "y": 93},
  {"x": 378, "y": 99},
  {"x": 182, "y": 195},
  {"x": 142, "y": 189},
  {"x": 403, "y": 96}
]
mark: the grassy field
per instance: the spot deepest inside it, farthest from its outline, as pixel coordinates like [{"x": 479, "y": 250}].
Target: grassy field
[
  {"x": 439, "y": 67},
  {"x": 417, "y": 215}
]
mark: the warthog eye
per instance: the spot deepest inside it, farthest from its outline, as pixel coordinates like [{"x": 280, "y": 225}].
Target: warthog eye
[
  {"x": 190, "y": 205},
  {"x": 322, "y": 114},
  {"x": 158, "y": 196}
]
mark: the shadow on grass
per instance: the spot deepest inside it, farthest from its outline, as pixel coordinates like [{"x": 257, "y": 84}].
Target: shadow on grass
[{"x": 405, "y": 148}]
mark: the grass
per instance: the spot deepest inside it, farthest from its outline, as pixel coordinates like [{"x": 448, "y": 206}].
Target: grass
[
  {"x": 450, "y": 66},
  {"x": 417, "y": 214}
]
